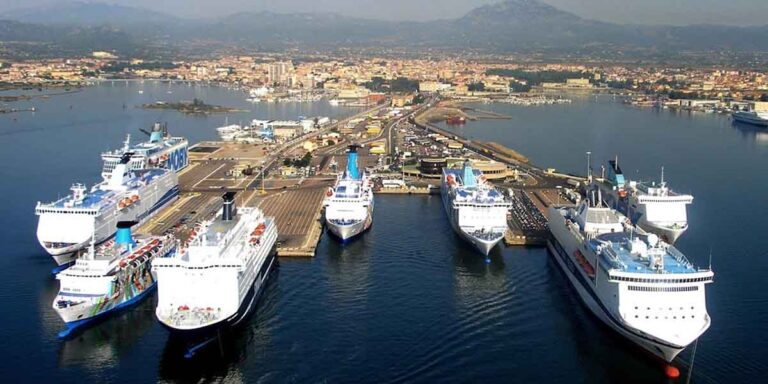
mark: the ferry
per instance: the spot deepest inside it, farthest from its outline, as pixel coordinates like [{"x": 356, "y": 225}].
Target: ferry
[
  {"x": 654, "y": 207},
  {"x": 67, "y": 225},
  {"x": 107, "y": 278},
  {"x": 160, "y": 151},
  {"x": 349, "y": 204},
  {"x": 476, "y": 210},
  {"x": 759, "y": 119},
  {"x": 215, "y": 278},
  {"x": 641, "y": 287}
]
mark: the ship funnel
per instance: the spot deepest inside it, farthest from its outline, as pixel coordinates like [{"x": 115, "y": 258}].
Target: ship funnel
[
  {"x": 123, "y": 235},
  {"x": 468, "y": 175},
  {"x": 120, "y": 173},
  {"x": 228, "y": 211},
  {"x": 158, "y": 132},
  {"x": 352, "y": 171}
]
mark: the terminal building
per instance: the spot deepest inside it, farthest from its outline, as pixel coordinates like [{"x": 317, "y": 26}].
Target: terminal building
[
  {"x": 432, "y": 166},
  {"x": 491, "y": 170}
]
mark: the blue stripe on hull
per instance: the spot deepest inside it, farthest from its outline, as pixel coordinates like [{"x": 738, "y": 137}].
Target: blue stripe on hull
[
  {"x": 73, "y": 326},
  {"x": 55, "y": 271}
]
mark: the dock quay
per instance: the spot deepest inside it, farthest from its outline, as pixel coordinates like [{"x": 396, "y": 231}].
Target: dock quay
[
  {"x": 296, "y": 204},
  {"x": 216, "y": 167},
  {"x": 527, "y": 220},
  {"x": 298, "y": 213},
  {"x": 296, "y": 201}
]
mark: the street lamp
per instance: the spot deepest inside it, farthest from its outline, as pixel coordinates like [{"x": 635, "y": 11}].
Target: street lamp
[{"x": 263, "y": 192}]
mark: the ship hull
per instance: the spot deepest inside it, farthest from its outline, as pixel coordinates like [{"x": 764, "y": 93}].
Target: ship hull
[
  {"x": 84, "y": 228},
  {"x": 78, "y": 316},
  {"x": 349, "y": 232},
  {"x": 639, "y": 217},
  {"x": 85, "y": 318},
  {"x": 748, "y": 118},
  {"x": 670, "y": 235},
  {"x": 195, "y": 338},
  {"x": 481, "y": 245},
  {"x": 589, "y": 298}
]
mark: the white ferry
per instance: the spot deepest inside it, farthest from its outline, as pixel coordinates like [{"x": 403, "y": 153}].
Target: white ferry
[
  {"x": 643, "y": 288},
  {"x": 160, "y": 151},
  {"x": 349, "y": 204},
  {"x": 214, "y": 280},
  {"x": 654, "y": 207},
  {"x": 68, "y": 225},
  {"x": 476, "y": 210},
  {"x": 110, "y": 277}
]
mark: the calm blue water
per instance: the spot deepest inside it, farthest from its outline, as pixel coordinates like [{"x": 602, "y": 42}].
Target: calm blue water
[{"x": 408, "y": 301}]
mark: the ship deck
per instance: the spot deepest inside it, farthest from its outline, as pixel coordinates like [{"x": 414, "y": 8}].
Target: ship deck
[
  {"x": 94, "y": 198},
  {"x": 674, "y": 261}
]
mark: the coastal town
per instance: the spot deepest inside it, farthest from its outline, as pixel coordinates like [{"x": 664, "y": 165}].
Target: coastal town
[{"x": 359, "y": 81}]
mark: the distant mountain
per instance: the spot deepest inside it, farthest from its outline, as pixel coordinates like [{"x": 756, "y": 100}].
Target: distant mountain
[
  {"x": 264, "y": 27},
  {"x": 88, "y": 14},
  {"x": 507, "y": 26},
  {"x": 48, "y": 41},
  {"x": 519, "y": 24}
]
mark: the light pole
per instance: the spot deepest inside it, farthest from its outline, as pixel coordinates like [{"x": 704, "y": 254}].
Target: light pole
[
  {"x": 589, "y": 167},
  {"x": 263, "y": 192}
]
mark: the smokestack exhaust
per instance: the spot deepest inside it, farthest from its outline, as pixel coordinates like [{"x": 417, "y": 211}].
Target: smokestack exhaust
[{"x": 228, "y": 209}]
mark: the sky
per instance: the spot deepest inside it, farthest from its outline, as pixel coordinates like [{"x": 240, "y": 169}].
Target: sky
[{"x": 674, "y": 12}]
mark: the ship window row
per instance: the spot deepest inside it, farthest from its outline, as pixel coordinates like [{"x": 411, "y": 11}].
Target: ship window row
[
  {"x": 206, "y": 267},
  {"x": 666, "y": 281},
  {"x": 69, "y": 212},
  {"x": 663, "y": 289}
]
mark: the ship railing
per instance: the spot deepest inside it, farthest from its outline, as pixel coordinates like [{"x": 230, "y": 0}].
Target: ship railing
[
  {"x": 679, "y": 256},
  {"x": 612, "y": 258}
]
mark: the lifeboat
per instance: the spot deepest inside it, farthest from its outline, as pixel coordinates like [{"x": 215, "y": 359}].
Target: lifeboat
[
  {"x": 183, "y": 308},
  {"x": 330, "y": 192},
  {"x": 135, "y": 198},
  {"x": 623, "y": 193},
  {"x": 123, "y": 263},
  {"x": 121, "y": 205},
  {"x": 451, "y": 180},
  {"x": 585, "y": 265}
]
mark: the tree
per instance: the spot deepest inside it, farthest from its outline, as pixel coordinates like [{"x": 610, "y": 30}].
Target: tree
[
  {"x": 517, "y": 86},
  {"x": 476, "y": 87}
]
